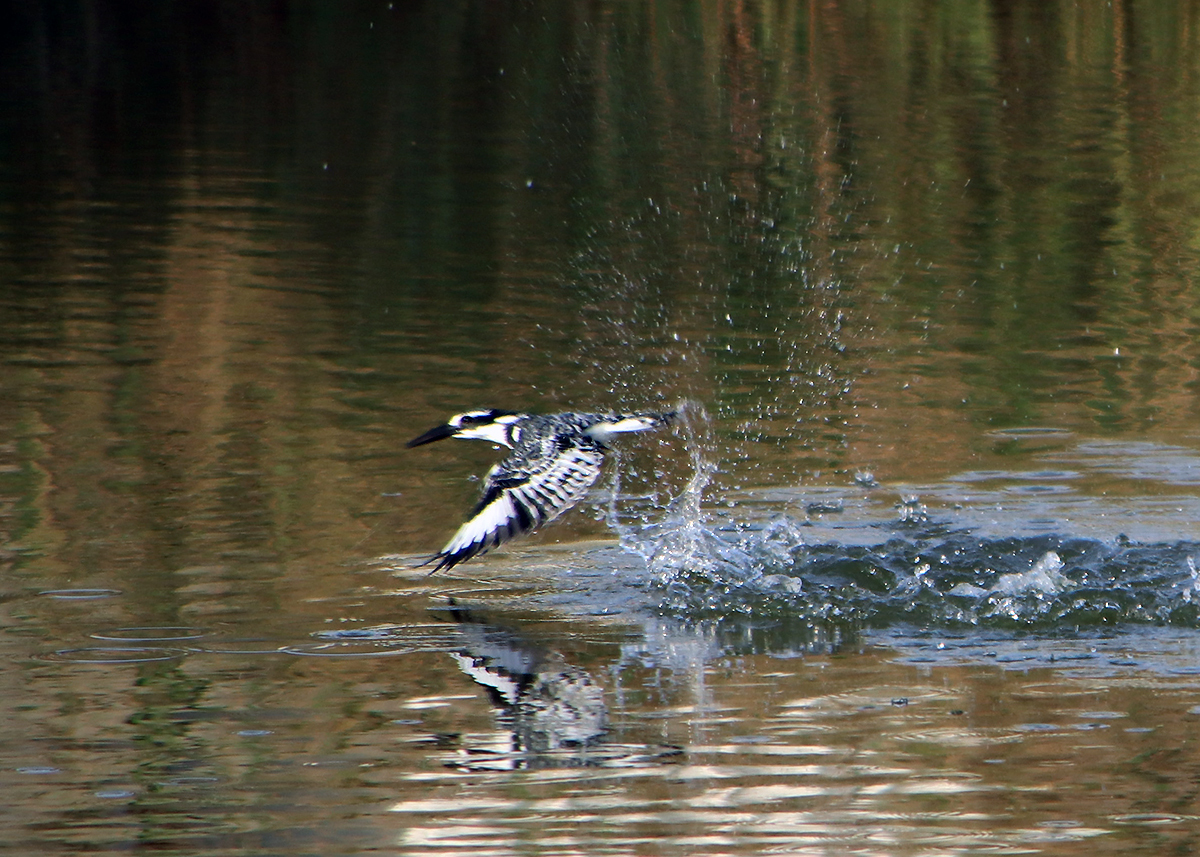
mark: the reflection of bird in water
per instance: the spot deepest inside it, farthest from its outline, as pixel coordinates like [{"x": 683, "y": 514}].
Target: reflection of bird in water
[
  {"x": 544, "y": 703},
  {"x": 554, "y": 460}
]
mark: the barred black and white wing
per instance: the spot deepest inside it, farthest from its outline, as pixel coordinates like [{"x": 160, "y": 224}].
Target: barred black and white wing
[{"x": 520, "y": 494}]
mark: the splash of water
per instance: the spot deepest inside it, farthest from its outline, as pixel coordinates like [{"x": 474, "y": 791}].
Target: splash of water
[
  {"x": 691, "y": 552},
  {"x": 680, "y": 541},
  {"x": 951, "y": 580},
  {"x": 706, "y": 565}
]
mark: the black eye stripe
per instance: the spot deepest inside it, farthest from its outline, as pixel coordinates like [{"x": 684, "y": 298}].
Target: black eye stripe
[
  {"x": 485, "y": 418},
  {"x": 475, "y": 419}
]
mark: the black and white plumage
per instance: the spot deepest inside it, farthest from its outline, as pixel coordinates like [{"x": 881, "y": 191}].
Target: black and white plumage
[{"x": 554, "y": 460}]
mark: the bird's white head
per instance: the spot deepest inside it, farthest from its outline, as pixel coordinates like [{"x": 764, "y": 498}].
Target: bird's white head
[
  {"x": 494, "y": 426},
  {"x": 489, "y": 425}
]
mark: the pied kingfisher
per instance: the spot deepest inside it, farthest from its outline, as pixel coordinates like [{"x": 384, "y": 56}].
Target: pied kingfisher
[{"x": 554, "y": 460}]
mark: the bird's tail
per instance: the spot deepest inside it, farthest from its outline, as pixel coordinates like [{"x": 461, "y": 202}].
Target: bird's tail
[
  {"x": 625, "y": 423},
  {"x": 639, "y": 422}
]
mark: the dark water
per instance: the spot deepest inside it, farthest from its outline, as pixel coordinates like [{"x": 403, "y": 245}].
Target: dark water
[{"x": 915, "y": 575}]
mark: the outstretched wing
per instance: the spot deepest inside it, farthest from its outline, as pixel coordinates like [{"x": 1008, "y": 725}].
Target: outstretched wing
[{"x": 518, "y": 497}]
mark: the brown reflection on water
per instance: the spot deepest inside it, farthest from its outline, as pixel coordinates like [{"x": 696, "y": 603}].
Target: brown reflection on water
[
  {"x": 398, "y": 738},
  {"x": 830, "y": 752}
]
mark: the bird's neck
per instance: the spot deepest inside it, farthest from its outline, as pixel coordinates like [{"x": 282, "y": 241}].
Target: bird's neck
[{"x": 496, "y": 433}]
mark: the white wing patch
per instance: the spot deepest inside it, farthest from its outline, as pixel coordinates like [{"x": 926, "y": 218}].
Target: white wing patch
[
  {"x": 517, "y": 503},
  {"x": 487, "y": 525},
  {"x": 603, "y": 431}
]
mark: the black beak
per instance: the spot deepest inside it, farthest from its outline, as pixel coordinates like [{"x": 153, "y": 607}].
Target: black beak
[{"x": 436, "y": 433}]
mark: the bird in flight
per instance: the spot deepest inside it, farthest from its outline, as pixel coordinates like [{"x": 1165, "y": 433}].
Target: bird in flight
[{"x": 555, "y": 458}]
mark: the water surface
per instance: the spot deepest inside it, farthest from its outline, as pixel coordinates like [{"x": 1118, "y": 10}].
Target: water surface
[{"x": 916, "y": 574}]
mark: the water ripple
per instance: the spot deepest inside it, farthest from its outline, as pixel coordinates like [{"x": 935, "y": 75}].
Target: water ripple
[
  {"x": 150, "y": 634},
  {"x": 114, "y": 655},
  {"x": 80, "y": 594}
]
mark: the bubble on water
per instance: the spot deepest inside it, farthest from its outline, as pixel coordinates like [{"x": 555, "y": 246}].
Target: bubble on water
[{"x": 911, "y": 510}]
